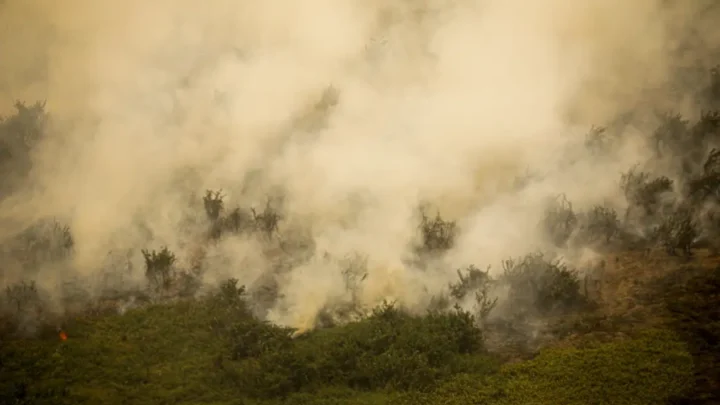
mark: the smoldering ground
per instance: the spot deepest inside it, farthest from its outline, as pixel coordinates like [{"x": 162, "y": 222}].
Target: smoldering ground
[{"x": 353, "y": 111}]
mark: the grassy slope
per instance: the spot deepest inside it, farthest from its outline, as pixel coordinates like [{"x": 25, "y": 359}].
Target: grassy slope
[{"x": 660, "y": 342}]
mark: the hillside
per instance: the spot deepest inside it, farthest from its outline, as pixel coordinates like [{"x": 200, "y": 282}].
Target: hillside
[
  {"x": 353, "y": 202},
  {"x": 655, "y": 340}
]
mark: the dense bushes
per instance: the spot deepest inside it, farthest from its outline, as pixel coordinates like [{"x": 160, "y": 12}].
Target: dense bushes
[
  {"x": 169, "y": 354},
  {"x": 389, "y": 349}
]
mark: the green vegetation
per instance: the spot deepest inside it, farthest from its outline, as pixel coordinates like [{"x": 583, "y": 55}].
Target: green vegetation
[{"x": 212, "y": 351}]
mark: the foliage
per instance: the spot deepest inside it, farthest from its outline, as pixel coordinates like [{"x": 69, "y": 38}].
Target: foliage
[
  {"x": 167, "y": 354},
  {"x": 159, "y": 268},
  {"x": 648, "y": 370},
  {"x": 389, "y": 349}
]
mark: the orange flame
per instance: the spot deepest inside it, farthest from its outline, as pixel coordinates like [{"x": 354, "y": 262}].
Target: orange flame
[{"x": 63, "y": 335}]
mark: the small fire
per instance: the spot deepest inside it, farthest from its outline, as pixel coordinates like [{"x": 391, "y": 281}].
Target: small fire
[{"x": 63, "y": 335}]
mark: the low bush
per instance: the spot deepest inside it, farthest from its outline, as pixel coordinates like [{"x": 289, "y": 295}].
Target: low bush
[
  {"x": 437, "y": 235},
  {"x": 538, "y": 286},
  {"x": 389, "y": 349},
  {"x": 559, "y": 221}
]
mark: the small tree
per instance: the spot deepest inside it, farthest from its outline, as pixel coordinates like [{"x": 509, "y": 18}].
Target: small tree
[
  {"x": 266, "y": 221},
  {"x": 678, "y": 231},
  {"x": 159, "y": 268},
  {"x": 560, "y": 221},
  {"x": 478, "y": 282},
  {"x": 213, "y": 203},
  {"x": 642, "y": 192},
  {"x": 601, "y": 224},
  {"x": 707, "y": 184},
  {"x": 541, "y": 286},
  {"x": 437, "y": 234}
]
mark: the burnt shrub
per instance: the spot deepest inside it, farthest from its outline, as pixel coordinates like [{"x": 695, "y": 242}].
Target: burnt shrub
[
  {"x": 160, "y": 268},
  {"x": 22, "y": 296},
  {"x": 706, "y": 185},
  {"x": 222, "y": 221},
  {"x": 559, "y": 221},
  {"x": 478, "y": 284},
  {"x": 672, "y": 135},
  {"x": 644, "y": 193},
  {"x": 19, "y": 133},
  {"x": 46, "y": 241},
  {"x": 678, "y": 231},
  {"x": 538, "y": 286},
  {"x": 437, "y": 235},
  {"x": 598, "y": 227}
]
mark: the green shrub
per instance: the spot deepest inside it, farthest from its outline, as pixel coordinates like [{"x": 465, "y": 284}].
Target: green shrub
[
  {"x": 160, "y": 268},
  {"x": 389, "y": 349},
  {"x": 644, "y": 371}
]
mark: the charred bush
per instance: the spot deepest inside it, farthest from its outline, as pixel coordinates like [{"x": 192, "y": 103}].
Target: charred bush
[
  {"x": 19, "y": 134},
  {"x": 213, "y": 203},
  {"x": 43, "y": 242},
  {"x": 599, "y": 226},
  {"x": 644, "y": 194},
  {"x": 347, "y": 307},
  {"x": 559, "y": 221},
  {"x": 678, "y": 231},
  {"x": 478, "y": 283},
  {"x": 540, "y": 286},
  {"x": 437, "y": 234},
  {"x": 160, "y": 268},
  {"x": 707, "y": 129},
  {"x": 237, "y": 220},
  {"x": 23, "y": 296},
  {"x": 267, "y": 221},
  {"x": 672, "y": 135},
  {"x": 598, "y": 141},
  {"x": 706, "y": 186}
]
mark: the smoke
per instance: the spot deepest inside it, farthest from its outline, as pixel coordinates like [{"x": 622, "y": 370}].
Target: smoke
[{"x": 440, "y": 101}]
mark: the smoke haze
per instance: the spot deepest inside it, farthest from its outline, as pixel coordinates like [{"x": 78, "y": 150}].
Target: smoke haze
[{"x": 356, "y": 110}]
